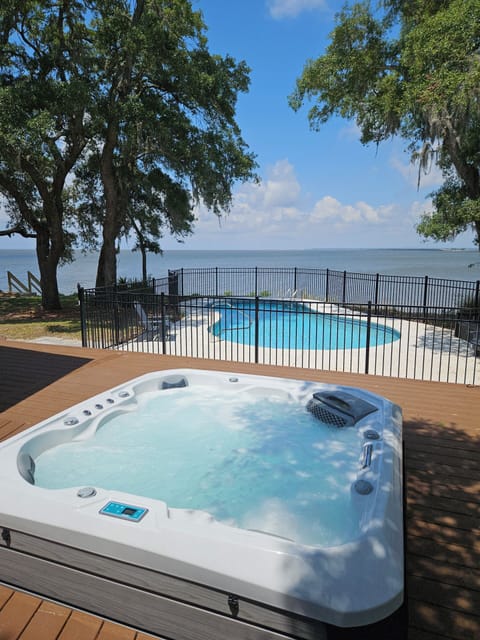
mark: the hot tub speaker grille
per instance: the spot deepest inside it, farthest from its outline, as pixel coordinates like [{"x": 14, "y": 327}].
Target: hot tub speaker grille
[
  {"x": 324, "y": 415},
  {"x": 339, "y": 408}
]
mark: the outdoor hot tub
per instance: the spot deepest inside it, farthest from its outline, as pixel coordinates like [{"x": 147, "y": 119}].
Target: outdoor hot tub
[{"x": 207, "y": 504}]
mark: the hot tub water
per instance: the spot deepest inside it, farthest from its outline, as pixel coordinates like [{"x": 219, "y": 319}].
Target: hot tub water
[{"x": 257, "y": 462}]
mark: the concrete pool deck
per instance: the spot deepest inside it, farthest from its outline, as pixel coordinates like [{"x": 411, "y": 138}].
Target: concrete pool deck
[
  {"x": 442, "y": 438},
  {"x": 423, "y": 351}
]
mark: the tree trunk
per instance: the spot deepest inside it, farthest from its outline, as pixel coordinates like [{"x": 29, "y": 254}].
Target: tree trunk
[
  {"x": 48, "y": 259},
  {"x": 466, "y": 171},
  {"x": 115, "y": 196},
  {"x": 112, "y": 223},
  {"x": 476, "y": 225},
  {"x": 144, "y": 262},
  {"x": 107, "y": 260}
]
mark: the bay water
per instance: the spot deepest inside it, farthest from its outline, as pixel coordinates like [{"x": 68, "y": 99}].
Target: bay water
[{"x": 435, "y": 263}]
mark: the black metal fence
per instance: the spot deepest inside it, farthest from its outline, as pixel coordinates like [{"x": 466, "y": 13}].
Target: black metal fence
[
  {"x": 179, "y": 315},
  {"x": 326, "y": 285}
]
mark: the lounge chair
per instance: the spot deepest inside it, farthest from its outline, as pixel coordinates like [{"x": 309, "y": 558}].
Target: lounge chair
[{"x": 155, "y": 328}]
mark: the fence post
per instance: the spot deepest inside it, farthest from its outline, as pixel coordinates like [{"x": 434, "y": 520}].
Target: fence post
[
  {"x": 172, "y": 283},
  {"x": 173, "y": 288},
  {"x": 116, "y": 320},
  {"x": 294, "y": 280},
  {"x": 162, "y": 317},
  {"x": 216, "y": 281},
  {"x": 344, "y": 286},
  {"x": 256, "y": 327},
  {"x": 256, "y": 281},
  {"x": 425, "y": 293},
  {"x": 377, "y": 277},
  {"x": 83, "y": 322},
  {"x": 477, "y": 291},
  {"x": 367, "y": 345},
  {"x": 326, "y": 286}
]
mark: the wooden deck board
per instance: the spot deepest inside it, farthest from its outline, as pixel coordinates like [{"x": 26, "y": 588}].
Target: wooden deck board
[
  {"x": 5, "y": 594},
  {"x": 81, "y": 626},
  {"x": 442, "y": 458},
  {"x": 50, "y": 618},
  {"x": 110, "y": 631},
  {"x": 453, "y": 574},
  {"x": 16, "y": 614}
]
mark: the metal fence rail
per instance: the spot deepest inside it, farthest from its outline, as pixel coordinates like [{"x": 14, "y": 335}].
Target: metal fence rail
[
  {"x": 326, "y": 285},
  {"x": 425, "y": 342}
]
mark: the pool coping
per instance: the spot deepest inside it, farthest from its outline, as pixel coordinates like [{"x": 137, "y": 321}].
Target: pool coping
[{"x": 423, "y": 350}]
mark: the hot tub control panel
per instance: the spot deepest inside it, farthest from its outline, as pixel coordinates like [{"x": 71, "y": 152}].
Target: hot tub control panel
[{"x": 123, "y": 511}]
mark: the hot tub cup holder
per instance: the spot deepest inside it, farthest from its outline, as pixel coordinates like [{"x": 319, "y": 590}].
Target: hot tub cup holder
[{"x": 87, "y": 492}]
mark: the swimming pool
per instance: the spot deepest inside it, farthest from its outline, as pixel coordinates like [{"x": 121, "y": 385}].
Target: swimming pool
[
  {"x": 293, "y": 325},
  {"x": 267, "y": 503}
]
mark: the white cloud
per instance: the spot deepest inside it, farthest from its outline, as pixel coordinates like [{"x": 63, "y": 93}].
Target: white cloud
[
  {"x": 291, "y": 8},
  {"x": 430, "y": 179},
  {"x": 282, "y": 188},
  {"x": 268, "y": 204},
  {"x": 418, "y": 208},
  {"x": 277, "y": 210},
  {"x": 329, "y": 208}
]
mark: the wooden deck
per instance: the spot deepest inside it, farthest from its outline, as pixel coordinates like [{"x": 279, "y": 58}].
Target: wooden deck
[{"x": 442, "y": 436}]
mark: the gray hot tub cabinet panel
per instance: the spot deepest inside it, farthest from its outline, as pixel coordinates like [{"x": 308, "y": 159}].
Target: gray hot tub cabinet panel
[{"x": 155, "y": 602}]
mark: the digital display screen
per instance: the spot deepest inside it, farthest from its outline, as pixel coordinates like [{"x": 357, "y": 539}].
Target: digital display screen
[{"x": 125, "y": 511}]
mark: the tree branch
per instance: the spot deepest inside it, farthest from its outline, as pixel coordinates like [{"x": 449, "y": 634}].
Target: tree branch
[
  {"x": 9, "y": 186},
  {"x": 17, "y": 229}
]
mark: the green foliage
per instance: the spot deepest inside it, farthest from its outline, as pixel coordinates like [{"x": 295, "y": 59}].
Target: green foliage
[
  {"x": 409, "y": 68},
  {"x": 454, "y": 211},
  {"x": 45, "y": 87},
  {"x": 166, "y": 111},
  {"x": 126, "y": 96}
]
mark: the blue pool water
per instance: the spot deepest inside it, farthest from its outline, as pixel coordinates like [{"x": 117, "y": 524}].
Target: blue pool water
[
  {"x": 292, "y": 325},
  {"x": 255, "y": 462}
]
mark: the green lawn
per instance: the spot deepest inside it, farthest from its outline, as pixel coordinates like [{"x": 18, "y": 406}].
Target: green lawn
[{"x": 22, "y": 318}]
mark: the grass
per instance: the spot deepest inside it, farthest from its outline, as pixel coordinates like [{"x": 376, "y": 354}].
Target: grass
[{"x": 22, "y": 318}]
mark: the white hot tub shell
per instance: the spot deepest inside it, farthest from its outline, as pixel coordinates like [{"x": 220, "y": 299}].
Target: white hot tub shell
[{"x": 174, "y": 571}]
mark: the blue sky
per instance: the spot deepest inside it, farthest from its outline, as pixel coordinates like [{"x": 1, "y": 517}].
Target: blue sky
[{"x": 317, "y": 189}]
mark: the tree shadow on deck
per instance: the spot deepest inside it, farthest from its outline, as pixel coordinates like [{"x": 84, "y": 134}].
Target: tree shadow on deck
[
  {"x": 24, "y": 372},
  {"x": 443, "y": 532}
]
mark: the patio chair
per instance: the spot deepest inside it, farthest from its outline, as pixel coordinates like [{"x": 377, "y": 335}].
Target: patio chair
[{"x": 155, "y": 328}]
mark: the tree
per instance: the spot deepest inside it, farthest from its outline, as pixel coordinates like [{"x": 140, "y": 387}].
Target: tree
[
  {"x": 125, "y": 94},
  {"x": 154, "y": 205},
  {"x": 44, "y": 93},
  {"x": 411, "y": 68},
  {"x": 165, "y": 121}
]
